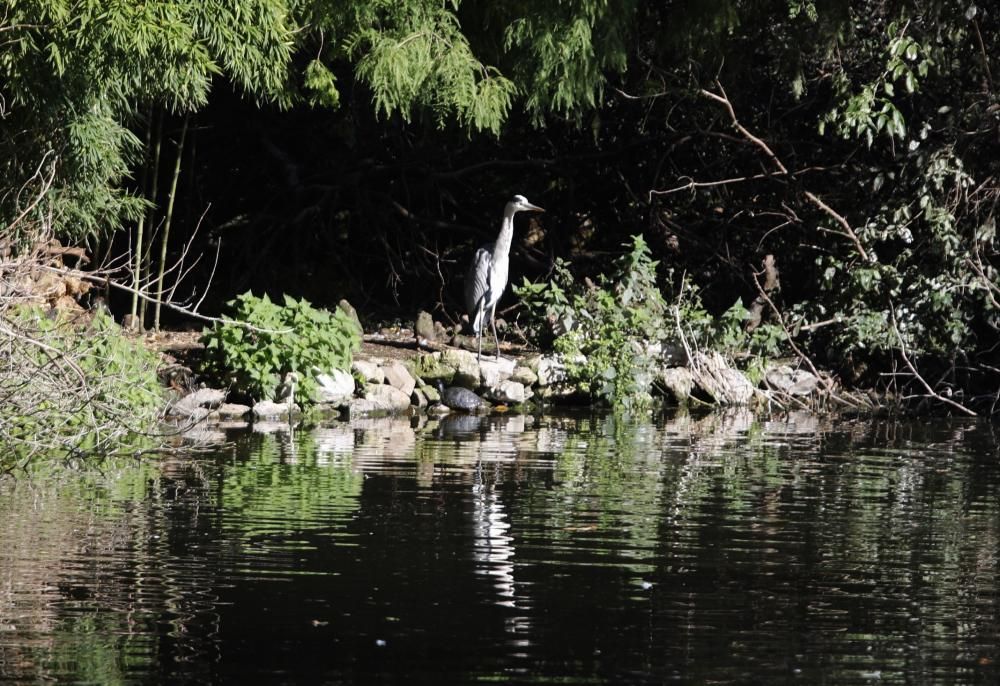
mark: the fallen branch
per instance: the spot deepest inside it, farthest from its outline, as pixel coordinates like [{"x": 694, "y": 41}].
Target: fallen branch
[{"x": 97, "y": 277}]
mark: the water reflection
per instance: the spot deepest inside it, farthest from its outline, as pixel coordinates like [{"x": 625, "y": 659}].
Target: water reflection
[
  {"x": 726, "y": 548},
  {"x": 493, "y": 549}
]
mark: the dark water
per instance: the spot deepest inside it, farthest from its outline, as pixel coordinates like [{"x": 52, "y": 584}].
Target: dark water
[{"x": 719, "y": 549}]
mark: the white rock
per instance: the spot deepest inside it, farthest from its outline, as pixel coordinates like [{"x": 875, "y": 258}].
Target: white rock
[
  {"x": 509, "y": 392},
  {"x": 430, "y": 393},
  {"x": 207, "y": 398},
  {"x": 792, "y": 381},
  {"x": 524, "y": 375},
  {"x": 334, "y": 387},
  {"x": 493, "y": 372},
  {"x": 397, "y": 376},
  {"x": 368, "y": 370},
  {"x": 387, "y": 398},
  {"x": 465, "y": 365},
  {"x": 268, "y": 409},
  {"x": 233, "y": 411}
]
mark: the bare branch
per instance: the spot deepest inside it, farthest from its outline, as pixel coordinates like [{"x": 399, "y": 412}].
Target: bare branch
[
  {"x": 930, "y": 392},
  {"x": 848, "y": 232},
  {"x": 724, "y": 100}
]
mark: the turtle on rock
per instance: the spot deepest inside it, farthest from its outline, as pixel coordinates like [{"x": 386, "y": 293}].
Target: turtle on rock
[{"x": 462, "y": 399}]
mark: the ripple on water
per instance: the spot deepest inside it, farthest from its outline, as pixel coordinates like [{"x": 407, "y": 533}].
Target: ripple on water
[{"x": 724, "y": 548}]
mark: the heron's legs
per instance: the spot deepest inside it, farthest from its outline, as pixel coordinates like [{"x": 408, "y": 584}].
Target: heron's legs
[
  {"x": 493, "y": 321},
  {"x": 479, "y": 331}
]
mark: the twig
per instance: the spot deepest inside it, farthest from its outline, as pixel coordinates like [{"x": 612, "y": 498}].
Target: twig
[
  {"x": 95, "y": 277},
  {"x": 931, "y": 393},
  {"x": 724, "y": 100},
  {"x": 848, "y": 232},
  {"x": 827, "y": 383},
  {"x": 692, "y": 184}
]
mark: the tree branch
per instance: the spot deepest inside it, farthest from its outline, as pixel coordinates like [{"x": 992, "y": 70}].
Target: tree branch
[{"x": 848, "y": 232}]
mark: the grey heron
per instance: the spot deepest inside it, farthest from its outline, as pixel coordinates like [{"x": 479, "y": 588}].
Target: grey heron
[{"x": 487, "y": 275}]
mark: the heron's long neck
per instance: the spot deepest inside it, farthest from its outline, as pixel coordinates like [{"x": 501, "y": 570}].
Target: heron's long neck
[{"x": 502, "y": 247}]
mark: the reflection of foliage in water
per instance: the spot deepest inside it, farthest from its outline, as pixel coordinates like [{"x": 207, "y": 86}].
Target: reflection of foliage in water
[
  {"x": 66, "y": 539},
  {"x": 885, "y": 533},
  {"x": 288, "y": 487}
]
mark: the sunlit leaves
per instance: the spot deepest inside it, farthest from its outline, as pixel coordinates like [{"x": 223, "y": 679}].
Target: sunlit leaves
[
  {"x": 321, "y": 85},
  {"x": 293, "y": 337},
  {"x": 565, "y": 51},
  {"x": 417, "y": 57},
  {"x": 74, "y": 74}
]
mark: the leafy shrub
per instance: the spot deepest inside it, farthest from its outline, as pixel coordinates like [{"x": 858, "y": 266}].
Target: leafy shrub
[
  {"x": 611, "y": 333},
  {"x": 603, "y": 329},
  {"x": 70, "y": 388},
  {"x": 927, "y": 284},
  {"x": 263, "y": 341}
]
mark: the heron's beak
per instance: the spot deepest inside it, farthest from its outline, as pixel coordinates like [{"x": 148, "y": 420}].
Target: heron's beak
[{"x": 534, "y": 208}]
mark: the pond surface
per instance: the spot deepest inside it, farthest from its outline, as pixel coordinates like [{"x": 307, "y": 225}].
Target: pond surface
[{"x": 555, "y": 549}]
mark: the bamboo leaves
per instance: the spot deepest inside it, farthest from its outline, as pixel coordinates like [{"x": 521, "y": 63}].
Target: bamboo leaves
[{"x": 419, "y": 57}]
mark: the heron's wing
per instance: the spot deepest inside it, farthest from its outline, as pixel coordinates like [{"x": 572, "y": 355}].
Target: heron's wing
[{"x": 477, "y": 279}]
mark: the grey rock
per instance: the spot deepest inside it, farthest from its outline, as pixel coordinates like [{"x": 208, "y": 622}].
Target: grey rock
[
  {"x": 524, "y": 375},
  {"x": 388, "y": 398},
  {"x": 431, "y": 393},
  {"x": 429, "y": 367},
  {"x": 493, "y": 372},
  {"x": 791, "y": 381},
  {"x": 509, "y": 393},
  {"x": 532, "y": 362},
  {"x": 233, "y": 411},
  {"x": 465, "y": 365},
  {"x": 349, "y": 310},
  {"x": 397, "y": 376},
  {"x": 418, "y": 399}
]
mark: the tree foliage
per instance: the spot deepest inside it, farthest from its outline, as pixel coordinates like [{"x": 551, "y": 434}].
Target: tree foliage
[
  {"x": 855, "y": 140},
  {"x": 77, "y": 73}
]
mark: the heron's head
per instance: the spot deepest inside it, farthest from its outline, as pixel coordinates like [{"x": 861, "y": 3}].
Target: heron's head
[{"x": 519, "y": 203}]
